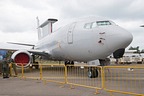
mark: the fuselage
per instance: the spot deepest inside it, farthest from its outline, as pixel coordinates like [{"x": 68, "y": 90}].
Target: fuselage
[{"x": 85, "y": 40}]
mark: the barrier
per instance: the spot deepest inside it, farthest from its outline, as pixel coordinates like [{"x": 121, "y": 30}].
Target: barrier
[
  {"x": 78, "y": 76},
  {"x": 54, "y": 73},
  {"x": 25, "y": 72},
  {"x": 125, "y": 79},
  {"x": 114, "y": 79}
]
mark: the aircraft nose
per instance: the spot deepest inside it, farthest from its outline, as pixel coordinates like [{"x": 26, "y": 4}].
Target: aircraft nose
[{"x": 119, "y": 39}]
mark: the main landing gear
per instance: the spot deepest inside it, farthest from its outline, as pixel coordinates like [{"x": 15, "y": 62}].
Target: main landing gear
[
  {"x": 34, "y": 64},
  {"x": 92, "y": 72},
  {"x": 69, "y": 63}
]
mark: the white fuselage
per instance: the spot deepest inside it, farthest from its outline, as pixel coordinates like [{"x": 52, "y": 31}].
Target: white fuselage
[{"x": 85, "y": 40}]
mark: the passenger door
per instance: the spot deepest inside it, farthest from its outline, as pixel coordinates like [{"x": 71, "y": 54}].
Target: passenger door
[{"x": 70, "y": 33}]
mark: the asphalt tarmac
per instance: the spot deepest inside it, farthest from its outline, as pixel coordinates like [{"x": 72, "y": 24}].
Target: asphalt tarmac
[
  {"x": 14, "y": 86},
  {"x": 119, "y": 79},
  {"x": 17, "y": 87}
]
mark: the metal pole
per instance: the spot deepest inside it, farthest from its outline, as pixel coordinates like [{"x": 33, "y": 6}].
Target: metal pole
[
  {"x": 22, "y": 70},
  {"x": 41, "y": 77},
  {"x": 10, "y": 69},
  {"x": 66, "y": 81},
  {"x": 103, "y": 77}
]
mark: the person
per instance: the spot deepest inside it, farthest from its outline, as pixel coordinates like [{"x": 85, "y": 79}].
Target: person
[{"x": 5, "y": 68}]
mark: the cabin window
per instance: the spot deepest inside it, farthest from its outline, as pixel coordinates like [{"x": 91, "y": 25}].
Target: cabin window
[
  {"x": 103, "y": 23},
  {"x": 87, "y": 25}
]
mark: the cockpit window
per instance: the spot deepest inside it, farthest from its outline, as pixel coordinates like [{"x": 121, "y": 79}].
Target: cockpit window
[
  {"x": 103, "y": 23},
  {"x": 87, "y": 25},
  {"x": 94, "y": 24},
  {"x": 97, "y": 23}
]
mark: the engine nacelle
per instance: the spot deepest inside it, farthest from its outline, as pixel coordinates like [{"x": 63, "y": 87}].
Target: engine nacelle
[
  {"x": 119, "y": 53},
  {"x": 21, "y": 57}
]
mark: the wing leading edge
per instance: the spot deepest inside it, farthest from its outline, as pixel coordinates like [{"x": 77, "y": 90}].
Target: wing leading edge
[{"x": 26, "y": 47}]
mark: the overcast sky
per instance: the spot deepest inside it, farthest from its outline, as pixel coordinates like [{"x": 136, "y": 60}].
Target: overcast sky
[{"x": 18, "y": 17}]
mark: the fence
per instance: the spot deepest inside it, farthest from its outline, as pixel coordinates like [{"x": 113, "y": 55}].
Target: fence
[
  {"x": 78, "y": 76},
  {"x": 54, "y": 73},
  {"x": 125, "y": 79},
  {"x": 25, "y": 72},
  {"x": 121, "y": 79}
]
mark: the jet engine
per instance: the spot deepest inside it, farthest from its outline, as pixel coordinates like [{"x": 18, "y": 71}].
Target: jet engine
[
  {"x": 119, "y": 53},
  {"x": 21, "y": 57}
]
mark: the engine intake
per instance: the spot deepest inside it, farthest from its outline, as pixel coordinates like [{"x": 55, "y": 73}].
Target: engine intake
[
  {"x": 21, "y": 57},
  {"x": 119, "y": 53}
]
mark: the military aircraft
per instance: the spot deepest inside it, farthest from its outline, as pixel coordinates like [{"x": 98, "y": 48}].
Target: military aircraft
[{"x": 84, "y": 39}]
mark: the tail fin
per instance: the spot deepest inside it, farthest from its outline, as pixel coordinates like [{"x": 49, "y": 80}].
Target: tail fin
[
  {"x": 38, "y": 29},
  {"x": 45, "y": 28}
]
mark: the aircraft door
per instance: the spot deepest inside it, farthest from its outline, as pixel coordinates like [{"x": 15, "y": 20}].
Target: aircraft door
[{"x": 70, "y": 33}]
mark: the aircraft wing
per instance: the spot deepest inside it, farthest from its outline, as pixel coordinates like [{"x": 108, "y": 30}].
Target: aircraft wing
[
  {"x": 40, "y": 52},
  {"x": 13, "y": 47},
  {"x": 25, "y": 47}
]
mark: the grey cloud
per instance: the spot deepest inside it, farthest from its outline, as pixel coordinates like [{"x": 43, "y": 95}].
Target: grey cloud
[
  {"x": 31, "y": 4},
  {"x": 14, "y": 18},
  {"x": 19, "y": 15},
  {"x": 123, "y": 9},
  {"x": 14, "y": 23}
]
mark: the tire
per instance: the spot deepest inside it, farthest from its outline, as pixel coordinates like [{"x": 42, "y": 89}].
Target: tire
[
  {"x": 96, "y": 73},
  {"x": 92, "y": 73}
]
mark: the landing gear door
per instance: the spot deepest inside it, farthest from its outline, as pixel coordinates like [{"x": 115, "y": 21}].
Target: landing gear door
[{"x": 70, "y": 33}]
